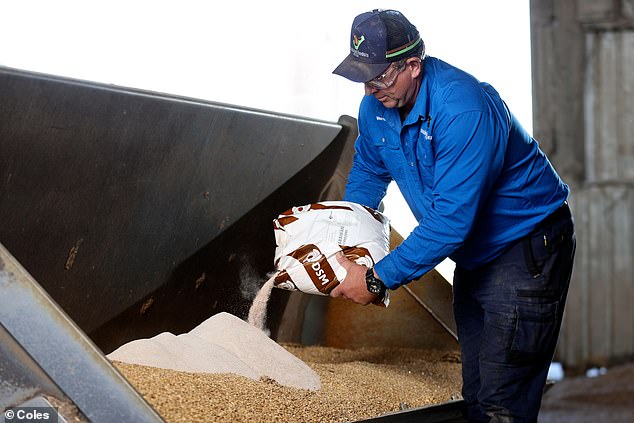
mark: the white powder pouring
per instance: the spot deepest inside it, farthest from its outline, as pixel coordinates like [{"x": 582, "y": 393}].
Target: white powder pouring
[{"x": 257, "y": 312}]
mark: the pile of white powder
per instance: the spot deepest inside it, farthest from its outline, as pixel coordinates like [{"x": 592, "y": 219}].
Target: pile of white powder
[{"x": 224, "y": 344}]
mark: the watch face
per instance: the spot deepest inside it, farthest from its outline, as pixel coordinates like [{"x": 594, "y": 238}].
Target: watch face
[
  {"x": 374, "y": 289},
  {"x": 374, "y": 285}
]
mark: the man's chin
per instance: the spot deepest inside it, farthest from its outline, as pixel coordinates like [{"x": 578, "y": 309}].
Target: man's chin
[{"x": 387, "y": 102}]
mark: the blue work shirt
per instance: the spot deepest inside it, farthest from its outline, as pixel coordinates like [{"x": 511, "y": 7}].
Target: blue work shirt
[{"x": 475, "y": 180}]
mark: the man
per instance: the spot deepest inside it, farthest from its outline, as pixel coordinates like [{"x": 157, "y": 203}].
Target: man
[{"x": 483, "y": 194}]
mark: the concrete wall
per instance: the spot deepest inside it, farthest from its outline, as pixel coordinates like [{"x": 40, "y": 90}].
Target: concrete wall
[{"x": 583, "y": 82}]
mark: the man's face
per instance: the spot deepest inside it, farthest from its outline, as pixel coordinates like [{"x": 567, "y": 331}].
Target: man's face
[{"x": 397, "y": 86}]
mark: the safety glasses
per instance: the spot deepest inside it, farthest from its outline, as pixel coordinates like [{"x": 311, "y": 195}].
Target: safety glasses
[{"x": 388, "y": 78}]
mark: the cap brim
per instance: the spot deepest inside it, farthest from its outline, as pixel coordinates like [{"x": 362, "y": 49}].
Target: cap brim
[{"x": 358, "y": 71}]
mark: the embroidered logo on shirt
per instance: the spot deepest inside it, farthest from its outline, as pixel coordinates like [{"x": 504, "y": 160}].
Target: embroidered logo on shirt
[
  {"x": 426, "y": 134},
  {"x": 380, "y": 118}
]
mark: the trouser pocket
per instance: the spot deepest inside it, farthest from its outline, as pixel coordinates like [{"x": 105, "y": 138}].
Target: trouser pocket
[{"x": 536, "y": 328}]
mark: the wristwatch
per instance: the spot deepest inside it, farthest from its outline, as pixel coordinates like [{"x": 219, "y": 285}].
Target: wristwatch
[{"x": 374, "y": 284}]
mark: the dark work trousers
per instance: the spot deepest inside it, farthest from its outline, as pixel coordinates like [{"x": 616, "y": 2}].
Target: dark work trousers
[{"x": 508, "y": 314}]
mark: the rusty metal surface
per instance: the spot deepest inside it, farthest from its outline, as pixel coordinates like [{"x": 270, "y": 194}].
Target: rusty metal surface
[
  {"x": 42, "y": 352},
  {"x": 448, "y": 326},
  {"x": 404, "y": 324},
  {"x": 140, "y": 212},
  {"x": 345, "y": 324}
]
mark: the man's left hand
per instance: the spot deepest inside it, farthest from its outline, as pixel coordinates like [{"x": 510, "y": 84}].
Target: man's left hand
[{"x": 353, "y": 287}]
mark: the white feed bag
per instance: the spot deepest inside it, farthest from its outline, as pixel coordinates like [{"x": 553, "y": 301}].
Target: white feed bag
[{"x": 308, "y": 237}]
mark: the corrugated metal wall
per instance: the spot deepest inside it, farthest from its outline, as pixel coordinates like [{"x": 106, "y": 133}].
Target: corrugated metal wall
[
  {"x": 589, "y": 135},
  {"x": 599, "y": 323}
]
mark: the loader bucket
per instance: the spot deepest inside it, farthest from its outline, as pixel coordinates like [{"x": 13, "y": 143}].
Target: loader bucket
[{"x": 140, "y": 212}]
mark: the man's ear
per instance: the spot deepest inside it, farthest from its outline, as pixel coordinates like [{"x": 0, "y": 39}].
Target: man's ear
[{"x": 415, "y": 65}]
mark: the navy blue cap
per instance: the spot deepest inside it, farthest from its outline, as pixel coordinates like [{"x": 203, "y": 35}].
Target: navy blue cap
[{"x": 377, "y": 39}]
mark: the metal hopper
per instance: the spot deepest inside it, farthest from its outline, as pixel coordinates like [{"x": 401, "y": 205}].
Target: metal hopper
[{"x": 140, "y": 212}]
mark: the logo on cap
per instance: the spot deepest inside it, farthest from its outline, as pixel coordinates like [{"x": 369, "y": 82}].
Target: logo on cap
[{"x": 357, "y": 41}]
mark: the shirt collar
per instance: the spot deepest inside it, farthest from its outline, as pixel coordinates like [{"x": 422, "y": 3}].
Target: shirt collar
[{"x": 421, "y": 106}]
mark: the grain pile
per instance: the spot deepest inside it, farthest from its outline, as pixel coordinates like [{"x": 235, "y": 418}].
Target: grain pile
[{"x": 355, "y": 384}]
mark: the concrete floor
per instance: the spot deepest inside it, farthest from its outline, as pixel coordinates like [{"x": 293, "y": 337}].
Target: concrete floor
[{"x": 607, "y": 398}]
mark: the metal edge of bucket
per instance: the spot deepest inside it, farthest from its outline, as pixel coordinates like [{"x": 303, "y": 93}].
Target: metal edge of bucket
[
  {"x": 63, "y": 352},
  {"x": 446, "y": 412}
]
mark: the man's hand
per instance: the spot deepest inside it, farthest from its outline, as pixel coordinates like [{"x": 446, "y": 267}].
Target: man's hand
[{"x": 353, "y": 287}]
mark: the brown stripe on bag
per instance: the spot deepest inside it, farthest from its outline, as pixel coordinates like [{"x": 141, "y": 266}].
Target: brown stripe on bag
[
  {"x": 279, "y": 223},
  {"x": 316, "y": 265}
]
